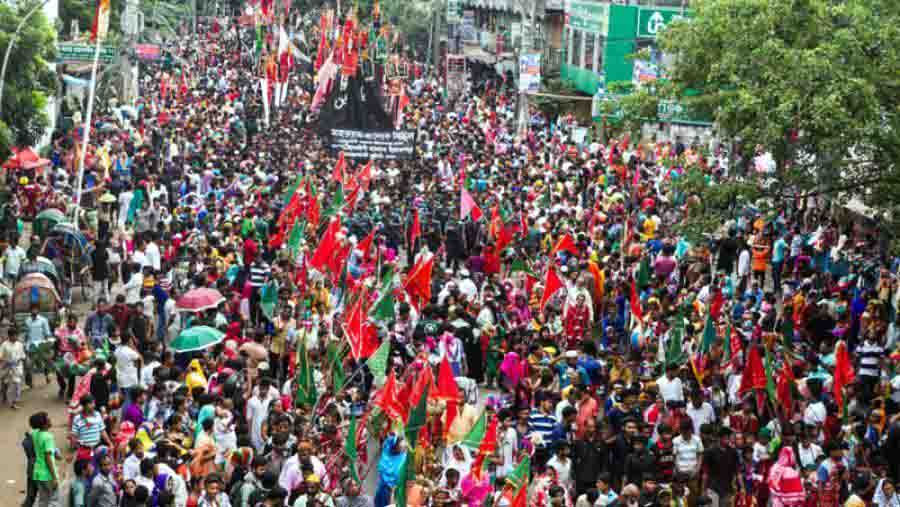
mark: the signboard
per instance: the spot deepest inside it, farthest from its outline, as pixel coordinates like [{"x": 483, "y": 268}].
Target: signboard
[
  {"x": 84, "y": 53},
  {"x": 668, "y": 109},
  {"x": 147, "y": 52},
  {"x": 456, "y": 74},
  {"x": 644, "y": 72},
  {"x": 469, "y": 34},
  {"x": 453, "y": 12},
  {"x": 530, "y": 72},
  {"x": 588, "y": 17},
  {"x": 653, "y": 21},
  {"x": 375, "y": 144}
]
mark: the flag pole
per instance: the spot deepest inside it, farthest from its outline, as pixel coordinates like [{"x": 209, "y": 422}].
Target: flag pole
[{"x": 87, "y": 130}]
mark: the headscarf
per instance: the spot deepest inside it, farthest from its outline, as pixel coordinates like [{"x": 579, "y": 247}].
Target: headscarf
[
  {"x": 882, "y": 500},
  {"x": 449, "y": 460},
  {"x": 512, "y": 368},
  {"x": 195, "y": 376},
  {"x": 785, "y": 481},
  {"x": 391, "y": 461}
]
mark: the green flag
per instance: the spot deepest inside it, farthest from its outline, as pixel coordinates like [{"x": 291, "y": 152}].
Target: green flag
[
  {"x": 728, "y": 352},
  {"x": 336, "y": 360},
  {"x": 383, "y": 311},
  {"x": 305, "y": 383},
  {"x": 787, "y": 331},
  {"x": 379, "y": 361},
  {"x": 337, "y": 202},
  {"x": 518, "y": 478},
  {"x": 770, "y": 379},
  {"x": 476, "y": 434},
  {"x": 675, "y": 350},
  {"x": 259, "y": 40},
  {"x": 518, "y": 265},
  {"x": 416, "y": 421},
  {"x": 402, "y": 478},
  {"x": 293, "y": 189},
  {"x": 268, "y": 299},
  {"x": 387, "y": 280},
  {"x": 643, "y": 274},
  {"x": 350, "y": 448},
  {"x": 295, "y": 238},
  {"x": 709, "y": 334}
]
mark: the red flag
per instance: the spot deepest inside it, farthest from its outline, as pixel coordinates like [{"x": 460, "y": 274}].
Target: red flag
[
  {"x": 312, "y": 206},
  {"x": 446, "y": 383},
  {"x": 521, "y": 497},
  {"x": 754, "y": 376},
  {"x": 320, "y": 53},
  {"x": 338, "y": 173},
  {"x": 843, "y": 373},
  {"x": 361, "y": 334},
  {"x": 416, "y": 230},
  {"x": 523, "y": 225},
  {"x": 597, "y": 275},
  {"x": 530, "y": 281},
  {"x": 636, "y": 310},
  {"x": 565, "y": 243},
  {"x": 366, "y": 244},
  {"x": 784, "y": 391},
  {"x": 486, "y": 448},
  {"x": 448, "y": 391},
  {"x": 290, "y": 211},
  {"x": 364, "y": 177},
  {"x": 496, "y": 221},
  {"x": 386, "y": 399},
  {"x": 715, "y": 307},
  {"x": 425, "y": 379},
  {"x": 552, "y": 283},
  {"x": 337, "y": 260},
  {"x": 467, "y": 205},
  {"x": 327, "y": 245},
  {"x": 418, "y": 282}
]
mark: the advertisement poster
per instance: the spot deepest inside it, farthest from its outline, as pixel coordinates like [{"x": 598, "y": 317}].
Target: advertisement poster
[
  {"x": 375, "y": 144},
  {"x": 530, "y": 72}
]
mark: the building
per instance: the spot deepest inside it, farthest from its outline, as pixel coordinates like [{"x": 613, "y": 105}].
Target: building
[
  {"x": 493, "y": 32},
  {"x": 599, "y": 39}
]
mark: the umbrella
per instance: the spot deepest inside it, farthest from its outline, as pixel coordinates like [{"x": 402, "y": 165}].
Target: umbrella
[
  {"x": 198, "y": 300},
  {"x": 197, "y": 338}
]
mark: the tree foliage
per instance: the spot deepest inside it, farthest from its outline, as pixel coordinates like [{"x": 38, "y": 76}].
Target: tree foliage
[
  {"x": 29, "y": 81},
  {"x": 815, "y": 82}
]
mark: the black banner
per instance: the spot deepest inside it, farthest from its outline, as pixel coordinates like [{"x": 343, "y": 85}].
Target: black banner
[{"x": 375, "y": 144}]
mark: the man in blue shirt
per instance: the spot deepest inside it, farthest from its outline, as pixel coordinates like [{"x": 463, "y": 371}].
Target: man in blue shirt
[
  {"x": 37, "y": 330},
  {"x": 779, "y": 252}
]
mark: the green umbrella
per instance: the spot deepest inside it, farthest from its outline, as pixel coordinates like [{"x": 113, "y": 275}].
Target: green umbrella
[{"x": 197, "y": 338}]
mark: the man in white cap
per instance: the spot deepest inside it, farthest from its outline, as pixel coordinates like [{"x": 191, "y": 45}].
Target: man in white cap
[{"x": 466, "y": 286}]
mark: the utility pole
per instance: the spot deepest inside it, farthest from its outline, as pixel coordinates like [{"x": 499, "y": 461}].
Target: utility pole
[
  {"x": 528, "y": 12},
  {"x": 132, "y": 25}
]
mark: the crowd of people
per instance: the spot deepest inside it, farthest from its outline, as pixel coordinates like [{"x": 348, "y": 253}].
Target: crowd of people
[{"x": 506, "y": 319}]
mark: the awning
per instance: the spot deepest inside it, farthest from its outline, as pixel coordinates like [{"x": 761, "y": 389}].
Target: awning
[{"x": 476, "y": 53}]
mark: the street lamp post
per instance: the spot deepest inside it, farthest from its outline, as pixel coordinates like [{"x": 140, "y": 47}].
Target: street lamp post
[{"x": 12, "y": 42}]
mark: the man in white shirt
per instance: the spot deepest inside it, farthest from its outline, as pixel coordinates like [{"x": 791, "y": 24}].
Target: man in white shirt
[
  {"x": 151, "y": 251},
  {"x": 127, "y": 366},
  {"x": 14, "y": 257},
  {"x": 670, "y": 386},
  {"x": 688, "y": 449},
  {"x": 700, "y": 412}
]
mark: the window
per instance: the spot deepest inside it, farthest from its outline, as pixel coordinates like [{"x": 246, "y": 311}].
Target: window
[
  {"x": 577, "y": 37},
  {"x": 589, "y": 43}
]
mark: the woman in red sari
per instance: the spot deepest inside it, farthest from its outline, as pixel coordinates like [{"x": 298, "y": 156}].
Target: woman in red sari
[{"x": 578, "y": 322}]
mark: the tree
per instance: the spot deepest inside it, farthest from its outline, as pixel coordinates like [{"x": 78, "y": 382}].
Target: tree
[
  {"x": 814, "y": 82},
  {"x": 28, "y": 81}
]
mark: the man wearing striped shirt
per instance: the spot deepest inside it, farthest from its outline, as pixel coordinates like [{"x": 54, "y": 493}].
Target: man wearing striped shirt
[
  {"x": 260, "y": 272},
  {"x": 88, "y": 429},
  {"x": 869, "y": 355},
  {"x": 543, "y": 423}
]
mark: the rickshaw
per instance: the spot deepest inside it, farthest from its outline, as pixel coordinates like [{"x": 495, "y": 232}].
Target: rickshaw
[
  {"x": 35, "y": 289},
  {"x": 43, "y": 266},
  {"x": 71, "y": 251},
  {"x": 46, "y": 220}
]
